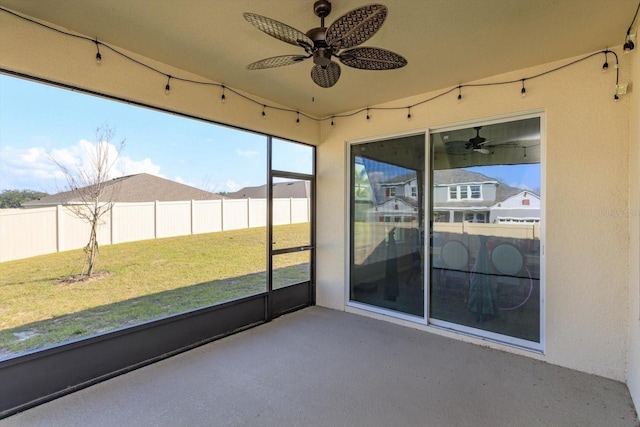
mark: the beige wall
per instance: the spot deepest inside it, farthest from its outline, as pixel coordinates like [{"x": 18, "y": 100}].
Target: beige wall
[
  {"x": 587, "y": 177},
  {"x": 633, "y": 367},
  {"x": 43, "y": 53},
  {"x": 586, "y": 161}
]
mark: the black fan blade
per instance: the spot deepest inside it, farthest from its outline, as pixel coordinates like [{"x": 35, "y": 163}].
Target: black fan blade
[
  {"x": 326, "y": 77},
  {"x": 277, "y": 61},
  {"x": 372, "y": 58},
  {"x": 356, "y": 27},
  {"x": 278, "y": 30}
]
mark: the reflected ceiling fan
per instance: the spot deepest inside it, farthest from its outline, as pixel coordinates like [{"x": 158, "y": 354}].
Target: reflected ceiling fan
[
  {"x": 477, "y": 144},
  {"x": 322, "y": 44}
]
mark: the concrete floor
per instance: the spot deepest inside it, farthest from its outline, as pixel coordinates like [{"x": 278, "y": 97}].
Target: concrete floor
[{"x": 319, "y": 367}]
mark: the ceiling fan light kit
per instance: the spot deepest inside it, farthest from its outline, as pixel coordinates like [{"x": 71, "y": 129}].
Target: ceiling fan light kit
[{"x": 339, "y": 40}]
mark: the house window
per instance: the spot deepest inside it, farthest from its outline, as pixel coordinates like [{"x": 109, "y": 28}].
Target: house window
[
  {"x": 462, "y": 191},
  {"x": 453, "y": 192},
  {"x": 392, "y": 191},
  {"x": 414, "y": 192},
  {"x": 465, "y": 192}
]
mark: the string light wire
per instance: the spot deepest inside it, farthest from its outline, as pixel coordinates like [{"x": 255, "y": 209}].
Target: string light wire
[{"x": 321, "y": 119}]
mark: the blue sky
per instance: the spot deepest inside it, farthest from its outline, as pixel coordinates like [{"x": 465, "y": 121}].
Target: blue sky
[{"x": 38, "y": 121}]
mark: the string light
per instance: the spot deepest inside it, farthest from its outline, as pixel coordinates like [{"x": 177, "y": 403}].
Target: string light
[
  {"x": 408, "y": 113},
  {"x": 298, "y": 118},
  {"x": 525, "y": 151},
  {"x": 628, "y": 40},
  {"x": 605, "y": 66},
  {"x": 628, "y": 46},
  {"x": 98, "y": 56},
  {"x": 167, "y": 88}
]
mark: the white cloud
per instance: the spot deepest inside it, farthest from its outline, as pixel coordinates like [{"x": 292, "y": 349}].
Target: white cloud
[
  {"x": 34, "y": 168},
  {"x": 127, "y": 166},
  {"x": 247, "y": 153},
  {"x": 521, "y": 186},
  {"x": 232, "y": 185}
]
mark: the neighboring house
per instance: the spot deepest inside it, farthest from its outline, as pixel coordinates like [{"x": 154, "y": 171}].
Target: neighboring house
[
  {"x": 141, "y": 187},
  {"x": 459, "y": 195},
  {"x": 281, "y": 190},
  {"x": 396, "y": 209},
  {"x": 524, "y": 207}
]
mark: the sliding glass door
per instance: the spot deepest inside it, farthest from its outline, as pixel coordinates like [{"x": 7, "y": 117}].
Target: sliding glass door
[
  {"x": 387, "y": 224},
  {"x": 484, "y": 275},
  {"x": 477, "y": 249}
]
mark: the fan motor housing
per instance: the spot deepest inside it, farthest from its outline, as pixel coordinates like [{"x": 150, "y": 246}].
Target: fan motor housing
[{"x": 322, "y": 8}]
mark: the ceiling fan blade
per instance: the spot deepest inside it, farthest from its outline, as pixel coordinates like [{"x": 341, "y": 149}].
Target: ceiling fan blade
[
  {"x": 278, "y": 29},
  {"x": 276, "y": 61},
  {"x": 482, "y": 150},
  {"x": 372, "y": 58},
  {"x": 356, "y": 27},
  {"x": 326, "y": 77}
]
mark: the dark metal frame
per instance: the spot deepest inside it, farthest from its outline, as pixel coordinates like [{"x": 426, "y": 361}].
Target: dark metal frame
[
  {"x": 43, "y": 375},
  {"x": 299, "y": 295}
]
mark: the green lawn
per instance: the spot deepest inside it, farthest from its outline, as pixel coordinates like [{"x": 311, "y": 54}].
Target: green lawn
[{"x": 150, "y": 279}]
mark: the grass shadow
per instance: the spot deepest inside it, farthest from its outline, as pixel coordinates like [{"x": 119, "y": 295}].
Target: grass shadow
[{"x": 105, "y": 318}]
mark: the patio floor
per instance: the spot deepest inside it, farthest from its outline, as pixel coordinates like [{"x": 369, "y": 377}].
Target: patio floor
[{"x": 320, "y": 367}]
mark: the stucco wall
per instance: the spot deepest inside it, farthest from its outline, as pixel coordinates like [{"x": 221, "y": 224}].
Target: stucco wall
[
  {"x": 39, "y": 52},
  {"x": 633, "y": 368},
  {"x": 586, "y": 181}
]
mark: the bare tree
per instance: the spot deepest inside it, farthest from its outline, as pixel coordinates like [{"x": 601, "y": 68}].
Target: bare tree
[{"x": 91, "y": 190}]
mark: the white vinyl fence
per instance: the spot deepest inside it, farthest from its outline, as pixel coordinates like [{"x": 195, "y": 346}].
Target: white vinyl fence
[{"x": 29, "y": 232}]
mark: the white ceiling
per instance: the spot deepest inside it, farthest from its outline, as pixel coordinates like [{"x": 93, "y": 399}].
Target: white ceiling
[{"x": 446, "y": 42}]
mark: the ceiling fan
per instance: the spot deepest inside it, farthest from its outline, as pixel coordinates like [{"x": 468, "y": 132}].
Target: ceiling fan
[
  {"x": 477, "y": 144},
  {"x": 339, "y": 41}
]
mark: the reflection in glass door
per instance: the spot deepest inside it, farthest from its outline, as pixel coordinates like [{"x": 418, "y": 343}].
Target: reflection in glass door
[
  {"x": 387, "y": 224},
  {"x": 485, "y": 259}
]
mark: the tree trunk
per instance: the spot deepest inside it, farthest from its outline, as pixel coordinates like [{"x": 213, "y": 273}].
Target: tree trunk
[{"x": 91, "y": 250}]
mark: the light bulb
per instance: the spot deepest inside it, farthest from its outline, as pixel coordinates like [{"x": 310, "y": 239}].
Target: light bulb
[
  {"x": 98, "y": 58},
  {"x": 167, "y": 89}
]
